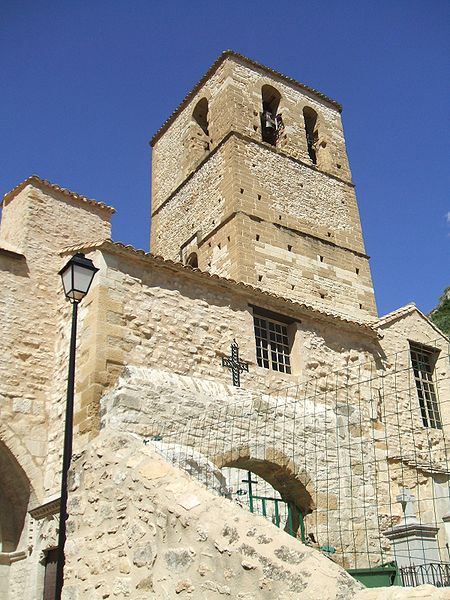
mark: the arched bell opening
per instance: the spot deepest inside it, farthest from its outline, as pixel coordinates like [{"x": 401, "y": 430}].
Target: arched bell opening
[
  {"x": 200, "y": 115},
  {"x": 312, "y": 132},
  {"x": 271, "y": 122}
]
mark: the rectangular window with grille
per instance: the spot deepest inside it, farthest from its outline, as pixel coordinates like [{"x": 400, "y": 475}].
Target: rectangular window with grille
[
  {"x": 423, "y": 361},
  {"x": 272, "y": 344}
]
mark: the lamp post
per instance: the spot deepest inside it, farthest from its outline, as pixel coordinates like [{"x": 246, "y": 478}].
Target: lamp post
[{"x": 77, "y": 276}]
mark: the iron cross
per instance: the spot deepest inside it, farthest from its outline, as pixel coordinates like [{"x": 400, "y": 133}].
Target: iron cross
[
  {"x": 232, "y": 362},
  {"x": 250, "y": 481}
]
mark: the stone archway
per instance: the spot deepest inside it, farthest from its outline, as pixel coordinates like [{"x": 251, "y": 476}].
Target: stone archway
[
  {"x": 292, "y": 484},
  {"x": 15, "y": 493}
]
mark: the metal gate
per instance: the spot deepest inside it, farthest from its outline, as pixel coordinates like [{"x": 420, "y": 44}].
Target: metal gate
[{"x": 284, "y": 514}]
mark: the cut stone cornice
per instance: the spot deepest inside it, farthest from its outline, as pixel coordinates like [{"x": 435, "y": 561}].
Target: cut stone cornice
[
  {"x": 283, "y": 304},
  {"x": 45, "y": 510},
  {"x": 9, "y": 250},
  {"x": 36, "y": 181},
  {"x": 252, "y": 63}
]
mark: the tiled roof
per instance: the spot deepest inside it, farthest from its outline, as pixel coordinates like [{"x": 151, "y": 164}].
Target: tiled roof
[
  {"x": 38, "y": 182},
  {"x": 396, "y": 314},
  {"x": 403, "y": 311},
  {"x": 252, "y": 63},
  {"x": 109, "y": 244}
]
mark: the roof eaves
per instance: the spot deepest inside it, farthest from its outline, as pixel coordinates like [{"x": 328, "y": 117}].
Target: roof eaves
[
  {"x": 109, "y": 244},
  {"x": 38, "y": 182},
  {"x": 403, "y": 311},
  {"x": 398, "y": 313}
]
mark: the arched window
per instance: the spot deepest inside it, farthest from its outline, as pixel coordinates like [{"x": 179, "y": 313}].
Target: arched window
[
  {"x": 271, "y": 122},
  {"x": 200, "y": 115},
  {"x": 312, "y": 132},
  {"x": 192, "y": 260}
]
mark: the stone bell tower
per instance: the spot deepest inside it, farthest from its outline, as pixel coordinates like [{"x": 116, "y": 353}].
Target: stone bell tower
[{"x": 251, "y": 182}]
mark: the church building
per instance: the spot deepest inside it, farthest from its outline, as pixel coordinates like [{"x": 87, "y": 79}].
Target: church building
[{"x": 233, "y": 385}]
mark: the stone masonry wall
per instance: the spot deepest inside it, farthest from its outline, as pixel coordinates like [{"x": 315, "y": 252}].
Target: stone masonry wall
[
  {"x": 181, "y": 322},
  {"x": 140, "y": 529},
  {"x": 244, "y": 180},
  {"x": 247, "y": 83},
  {"x": 172, "y": 159},
  {"x": 306, "y": 199},
  {"x": 316, "y": 455},
  {"x": 427, "y": 445},
  {"x": 150, "y": 314},
  {"x": 23, "y": 423},
  {"x": 197, "y": 208},
  {"x": 402, "y": 435},
  {"x": 39, "y": 223},
  {"x": 234, "y": 96},
  {"x": 293, "y": 265},
  {"x": 395, "y": 343}
]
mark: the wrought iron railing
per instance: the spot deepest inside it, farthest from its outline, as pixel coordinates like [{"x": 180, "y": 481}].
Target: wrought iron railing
[{"x": 437, "y": 574}]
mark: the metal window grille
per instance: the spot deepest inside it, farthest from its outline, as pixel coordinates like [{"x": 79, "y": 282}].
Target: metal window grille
[
  {"x": 272, "y": 345},
  {"x": 422, "y": 362}
]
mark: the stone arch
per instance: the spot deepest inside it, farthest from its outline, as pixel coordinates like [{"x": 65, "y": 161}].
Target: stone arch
[
  {"x": 292, "y": 482},
  {"x": 270, "y": 98},
  {"x": 311, "y": 119},
  {"x": 200, "y": 115},
  {"x": 15, "y": 495},
  {"x": 13, "y": 444},
  {"x": 196, "y": 139},
  {"x": 192, "y": 260},
  {"x": 271, "y": 123}
]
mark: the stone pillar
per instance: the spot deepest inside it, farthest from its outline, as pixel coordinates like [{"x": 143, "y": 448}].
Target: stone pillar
[
  {"x": 446, "y": 519},
  {"x": 413, "y": 543}
]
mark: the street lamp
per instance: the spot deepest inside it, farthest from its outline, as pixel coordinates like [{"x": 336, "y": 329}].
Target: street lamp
[{"x": 77, "y": 276}]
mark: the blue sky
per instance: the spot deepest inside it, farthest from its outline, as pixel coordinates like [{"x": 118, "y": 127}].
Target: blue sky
[{"x": 85, "y": 84}]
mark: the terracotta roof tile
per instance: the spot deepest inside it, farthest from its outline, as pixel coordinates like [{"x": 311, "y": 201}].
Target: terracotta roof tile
[
  {"x": 126, "y": 248},
  {"x": 395, "y": 314},
  {"x": 403, "y": 311},
  {"x": 38, "y": 182}
]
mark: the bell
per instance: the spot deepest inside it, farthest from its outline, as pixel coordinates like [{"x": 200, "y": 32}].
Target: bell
[{"x": 269, "y": 121}]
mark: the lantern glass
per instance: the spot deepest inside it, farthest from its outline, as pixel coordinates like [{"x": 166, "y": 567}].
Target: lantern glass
[
  {"x": 66, "y": 277},
  {"x": 77, "y": 276}
]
